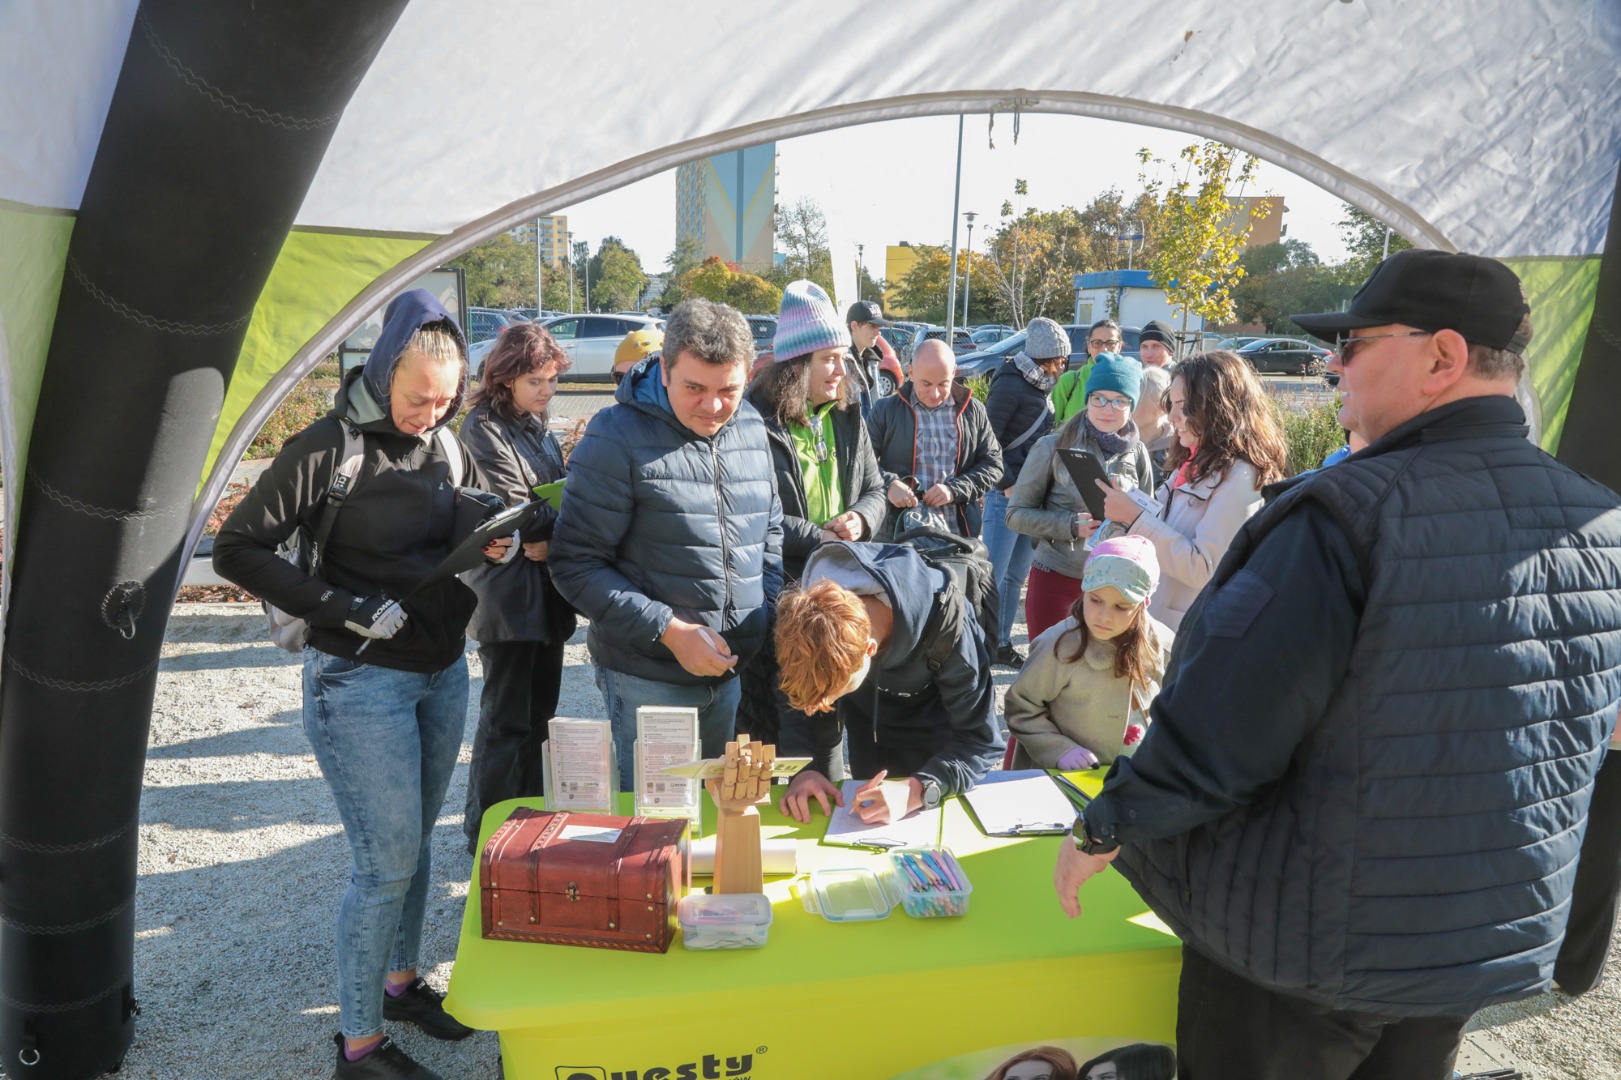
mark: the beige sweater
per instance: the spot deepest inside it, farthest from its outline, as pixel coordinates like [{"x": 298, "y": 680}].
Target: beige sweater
[
  {"x": 1191, "y": 532},
  {"x": 1054, "y": 706}
]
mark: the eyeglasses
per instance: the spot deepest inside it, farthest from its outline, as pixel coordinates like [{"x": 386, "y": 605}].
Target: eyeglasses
[
  {"x": 1104, "y": 343},
  {"x": 1118, "y": 404},
  {"x": 1347, "y": 346}
]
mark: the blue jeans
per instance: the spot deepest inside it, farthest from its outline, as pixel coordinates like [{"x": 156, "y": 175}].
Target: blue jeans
[
  {"x": 624, "y": 694},
  {"x": 386, "y": 742},
  {"x": 1011, "y": 555}
]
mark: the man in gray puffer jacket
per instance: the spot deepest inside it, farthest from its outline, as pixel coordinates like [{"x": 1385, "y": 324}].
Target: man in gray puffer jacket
[
  {"x": 670, "y": 535},
  {"x": 1364, "y": 793}
]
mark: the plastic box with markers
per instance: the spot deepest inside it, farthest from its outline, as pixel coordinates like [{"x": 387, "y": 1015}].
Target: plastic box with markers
[{"x": 931, "y": 882}]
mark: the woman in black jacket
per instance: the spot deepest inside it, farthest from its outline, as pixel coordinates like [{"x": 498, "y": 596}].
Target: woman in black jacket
[
  {"x": 522, "y": 621},
  {"x": 1021, "y": 411},
  {"x": 385, "y": 674},
  {"x": 827, "y": 474}
]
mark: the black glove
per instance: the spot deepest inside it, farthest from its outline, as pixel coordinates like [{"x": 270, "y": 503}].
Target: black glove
[{"x": 375, "y": 617}]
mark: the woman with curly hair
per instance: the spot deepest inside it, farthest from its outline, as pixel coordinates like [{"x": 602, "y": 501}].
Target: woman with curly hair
[
  {"x": 1228, "y": 446},
  {"x": 522, "y": 621}
]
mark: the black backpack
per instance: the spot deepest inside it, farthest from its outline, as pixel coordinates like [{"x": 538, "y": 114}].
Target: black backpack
[{"x": 967, "y": 566}]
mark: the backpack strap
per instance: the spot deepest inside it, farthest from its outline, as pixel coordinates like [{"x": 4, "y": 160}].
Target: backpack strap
[
  {"x": 452, "y": 449},
  {"x": 1029, "y": 432},
  {"x": 338, "y": 491}
]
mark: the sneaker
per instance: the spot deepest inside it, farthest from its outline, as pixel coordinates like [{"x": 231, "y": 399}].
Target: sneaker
[
  {"x": 423, "y": 1006},
  {"x": 1010, "y": 655},
  {"x": 386, "y": 1062}
]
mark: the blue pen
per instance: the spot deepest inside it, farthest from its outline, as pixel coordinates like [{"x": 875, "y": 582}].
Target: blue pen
[
  {"x": 921, "y": 869},
  {"x": 940, "y": 874},
  {"x": 912, "y": 873}
]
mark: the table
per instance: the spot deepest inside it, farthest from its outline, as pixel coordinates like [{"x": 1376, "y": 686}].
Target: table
[{"x": 946, "y": 997}]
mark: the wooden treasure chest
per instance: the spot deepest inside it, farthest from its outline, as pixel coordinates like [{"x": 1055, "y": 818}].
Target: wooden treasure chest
[{"x": 584, "y": 879}]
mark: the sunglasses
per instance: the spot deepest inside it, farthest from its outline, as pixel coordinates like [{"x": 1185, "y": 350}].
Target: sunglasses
[{"x": 1347, "y": 347}]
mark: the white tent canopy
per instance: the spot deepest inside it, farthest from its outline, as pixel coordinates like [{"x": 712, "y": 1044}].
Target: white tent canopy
[{"x": 1485, "y": 131}]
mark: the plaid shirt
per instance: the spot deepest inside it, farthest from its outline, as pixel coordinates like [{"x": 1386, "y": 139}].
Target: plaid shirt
[{"x": 937, "y": 450}]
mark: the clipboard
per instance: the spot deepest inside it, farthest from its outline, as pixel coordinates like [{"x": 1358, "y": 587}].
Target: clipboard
[
  {"x": 1027, "y": 802},
  {"x": 1086, "y": 472},
  {"x": 469, "y": 553}
]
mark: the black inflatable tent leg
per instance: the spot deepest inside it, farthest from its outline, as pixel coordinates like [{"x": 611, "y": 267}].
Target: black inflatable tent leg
[
  {"x": 219, "y": 120},
  {"x": 1588, "y": 442}
]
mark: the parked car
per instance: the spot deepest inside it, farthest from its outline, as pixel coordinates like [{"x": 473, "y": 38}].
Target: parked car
[
  {"x": 897, "y": 335},
  {"x": 476, "y": 352},
  {"x": 590, "y": 341},
  {"x": 1233, "y": 344},
  {"x": 890, "y": 375},
  {"x": 485, "y": 323},
  {"x": 764, "y": 329},
  {"x": 1292, "y": 356},
  {"x": 988, "y": 359},
  {"x": 990, "y": 335},
  {"x": 914, "y": 334}
]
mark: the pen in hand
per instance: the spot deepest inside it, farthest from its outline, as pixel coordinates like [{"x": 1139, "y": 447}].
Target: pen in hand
[{"x": 872, "y": 786}]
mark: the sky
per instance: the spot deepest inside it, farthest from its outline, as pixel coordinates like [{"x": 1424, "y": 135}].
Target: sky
[{"x": 879, "y": 184}]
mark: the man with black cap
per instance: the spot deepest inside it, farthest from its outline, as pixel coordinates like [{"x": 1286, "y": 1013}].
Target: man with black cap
[
  {"x": 1361, "y": 800},
  {"x": 1157, "y": 347},
  {"x": 865, "y": 318}
]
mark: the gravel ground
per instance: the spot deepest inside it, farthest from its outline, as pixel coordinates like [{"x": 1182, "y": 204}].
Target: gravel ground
[{"x": 242, "y": 862}]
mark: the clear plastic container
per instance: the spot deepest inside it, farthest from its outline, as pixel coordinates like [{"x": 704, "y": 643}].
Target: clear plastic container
[
  {"x": 725, "y": 921},
  {"x": 931, "y": 883},
  {"x": 850, "y": 894}
]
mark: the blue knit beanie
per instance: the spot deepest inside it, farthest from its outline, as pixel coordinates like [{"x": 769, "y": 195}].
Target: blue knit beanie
[
  {"x": 807, "y": 322},
  {"x": 1111, "y": 371}
]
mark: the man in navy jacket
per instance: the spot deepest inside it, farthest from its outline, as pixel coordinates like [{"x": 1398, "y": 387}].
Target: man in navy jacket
[
  {"x": 882, "y": 646},
  {"x": 1362, "y": 799},
  {"x": 670, "y": 535}
]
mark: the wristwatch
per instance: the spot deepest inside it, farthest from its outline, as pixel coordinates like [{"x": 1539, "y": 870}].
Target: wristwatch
[
  {"x": 1086, "y": 843},
  {"x": 931, "y": 792}
]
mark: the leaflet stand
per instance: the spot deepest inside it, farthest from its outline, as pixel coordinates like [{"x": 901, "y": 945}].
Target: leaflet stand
[
  {"x": 579, "y": 767},
  {"x": 664, "y": 737}
]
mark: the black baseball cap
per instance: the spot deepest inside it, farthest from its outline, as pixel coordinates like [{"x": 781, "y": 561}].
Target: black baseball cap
[
  {"x": 866, "y": 311},
  {"x": 1478, "y": 297}
]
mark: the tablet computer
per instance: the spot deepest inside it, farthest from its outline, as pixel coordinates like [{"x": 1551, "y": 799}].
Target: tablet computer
[{"x": 1085, "y": 470}]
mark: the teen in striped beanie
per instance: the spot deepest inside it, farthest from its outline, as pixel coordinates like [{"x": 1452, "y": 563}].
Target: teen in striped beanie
[{"x": 806, "y": 322}]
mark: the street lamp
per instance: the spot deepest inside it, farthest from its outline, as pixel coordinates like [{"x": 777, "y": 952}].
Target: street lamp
[
  {"x": 540, "y": 277},
  {"x": 968, "y": 264},
  {"x": 956, "y": 201},
  {"x": 861, "y": 266},
  {"x": 570, "y": 239}
]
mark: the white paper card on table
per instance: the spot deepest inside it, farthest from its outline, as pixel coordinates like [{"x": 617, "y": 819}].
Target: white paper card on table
[
  {"x": 664, "y": 737},
  {"x": 1021, "y": 802},
  {"x": 582, "y": 766},
  {"x": 845, "y": 829},
  {"x": 596, "y": 834}
]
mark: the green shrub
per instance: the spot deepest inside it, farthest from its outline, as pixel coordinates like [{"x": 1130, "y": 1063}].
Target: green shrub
[
  {"x": 979, "y": 386},
  {"x": 1312, "y": 429},
  {"x": 297, "y": 411}
]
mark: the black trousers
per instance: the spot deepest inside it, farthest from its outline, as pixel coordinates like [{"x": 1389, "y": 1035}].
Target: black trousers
[
  {"x": 1229, "y": 1028},
  {"x": 1597, "y": 890},
  {"x": 521, "y": 682}
]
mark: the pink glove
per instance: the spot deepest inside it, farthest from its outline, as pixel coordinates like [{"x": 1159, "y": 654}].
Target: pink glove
[
  {"x": 1077, "y": 759},
  {"x": 1134, "y": 733}
]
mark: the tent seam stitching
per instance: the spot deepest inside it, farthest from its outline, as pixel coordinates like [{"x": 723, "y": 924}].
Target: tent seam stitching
[{"x": 222, "y": 98}]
